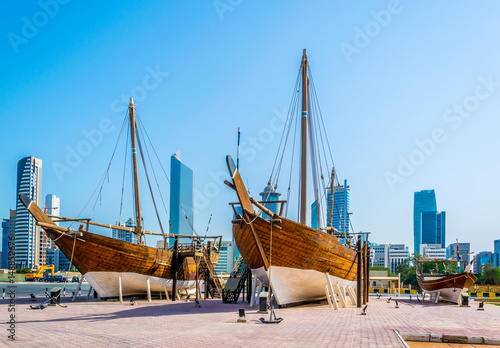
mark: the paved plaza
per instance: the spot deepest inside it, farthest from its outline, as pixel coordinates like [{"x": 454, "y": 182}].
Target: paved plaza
[{"x": 90, "y": 323}]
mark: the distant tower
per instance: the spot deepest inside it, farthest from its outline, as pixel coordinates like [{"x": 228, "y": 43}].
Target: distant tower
[
  {"x": 181, "y": 198},
  {"x": 270, "y": 194},
  {"x": 429, "y": 225},
  {"x": 433, "y": 228},
  {"x": 340, "y": 218},
  {"x": 496, "y": 253},
  {"x": 5, "y": 243},
  {"x": 28, "y": 239},
  {"x": 53, "y": 207}
]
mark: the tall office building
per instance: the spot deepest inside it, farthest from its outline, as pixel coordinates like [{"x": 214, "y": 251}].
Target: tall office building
[
  {"x": 481, "y": 259},
  {"x": 12, "y": 229},
  {"x": 270, "y": 194},
  {"x": 428, "y": 223},
  {"x": 28, "y": 239},
  {"x": 52, "y": 207},
  {"x": 181, "y": 198},
  {"x": 340, "y": 216},
  {"x": 389, "y": 255},
  {"x": 5, "y": 244},
  {"x": 225, "y": 263},
  {"x": 55, "y": 256},
  {"x": 496, "y": 253},
  {"x": 125, "y": 236},
  {"x": 433, "y": 228},
  {"x": 464, "y": 248},
  {"x": 398, "y": 255},
  {"x": 314, "y": 215},
  {"x": 432, "y": 251},
  {"x": 379, "y": 254}
]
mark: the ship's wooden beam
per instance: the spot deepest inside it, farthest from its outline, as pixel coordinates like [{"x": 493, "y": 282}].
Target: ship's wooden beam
[
  {"x": 123, "y": 228},
  {"x": 359, "y": 277},
  {"x": 229, "y": 184},
  {"x": 259, "y": 246},
  {"x": 268, "y": 211},
  {"x": 174, "y": 268},
  {"x": 366, "y": 269}
]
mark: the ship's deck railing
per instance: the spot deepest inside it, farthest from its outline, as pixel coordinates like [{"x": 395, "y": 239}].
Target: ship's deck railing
[{"x": 281, "y": 203}]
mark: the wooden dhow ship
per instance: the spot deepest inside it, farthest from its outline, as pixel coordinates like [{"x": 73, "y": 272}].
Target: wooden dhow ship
[
  {"x": 295, "y": 260},
  {"x": 116, "y": 268},
  {"x": 445, "y": 285}
]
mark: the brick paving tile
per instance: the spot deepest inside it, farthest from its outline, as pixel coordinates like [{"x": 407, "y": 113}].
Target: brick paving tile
[{"x": 179, "y": 324}]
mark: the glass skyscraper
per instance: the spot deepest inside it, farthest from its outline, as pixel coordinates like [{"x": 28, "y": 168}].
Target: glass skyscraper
[
  {"x": 433, "y": 228},
  {"x": 28, "y": 239},
  {"x": 53, "y": 207},
  {"x": 181, "y": 199},
  {"x": 5, "y": 243},
  {"x": 340, "y": 217},
  {"x": 464, "y": 248},
  {"x": 429, "y": 225},
  {"x": 496, "y": 253},
  {"x": 483, "y": 258},
  {"x": 125, "y": 236}
]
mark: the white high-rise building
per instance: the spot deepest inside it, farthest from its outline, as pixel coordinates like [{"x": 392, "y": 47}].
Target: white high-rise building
[
  {"x": 225, "y": 263},
  {"x": 388, "y": 255},
  {"x": 125, "y": 236},
  {"x": 28, "y": 239},
  {"x": 52, "y": 207},
  {"x": 433, "y": 251}
]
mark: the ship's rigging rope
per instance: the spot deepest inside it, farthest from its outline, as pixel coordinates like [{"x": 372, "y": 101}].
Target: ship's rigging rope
[
  {"x": 149, "y": 183},
  {"x": 320, "y": 150},
  {"x": 168, "y": 179},
  {"x": 101, "y": 182},
  {"x": 123, "y": 179},
  {"x": 142, "y": 132}
]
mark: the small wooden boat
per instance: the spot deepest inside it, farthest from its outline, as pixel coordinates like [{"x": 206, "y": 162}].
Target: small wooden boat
[
  {"x": 296, "y": 260},
  {"x": 118, "y": 268},
  {"x": 446, "y": 286}
]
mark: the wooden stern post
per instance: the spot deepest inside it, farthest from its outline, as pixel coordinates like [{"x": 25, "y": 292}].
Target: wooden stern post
[
  {"x": 359, "y": 279},
  {"x": 175, "y": 256},
  {"x": 368, "y": 272},
  {"x": 365, "y": 273}
]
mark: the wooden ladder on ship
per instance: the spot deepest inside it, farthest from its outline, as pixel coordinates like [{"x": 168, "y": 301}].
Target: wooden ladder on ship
[
  {"x": 236, "y": 282},
  {"x": 206, "y": 271}
]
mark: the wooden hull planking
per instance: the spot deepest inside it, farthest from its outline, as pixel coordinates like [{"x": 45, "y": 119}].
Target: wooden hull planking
[{"x": 299, "y": 258}]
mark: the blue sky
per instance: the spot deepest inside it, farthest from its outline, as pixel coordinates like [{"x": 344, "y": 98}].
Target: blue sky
[{"x": 410, "y": 92}]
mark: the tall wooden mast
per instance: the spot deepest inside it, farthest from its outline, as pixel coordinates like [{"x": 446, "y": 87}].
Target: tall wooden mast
[
  {"x": 138, "y": 217},
  {"x": 303, "y": 148}
]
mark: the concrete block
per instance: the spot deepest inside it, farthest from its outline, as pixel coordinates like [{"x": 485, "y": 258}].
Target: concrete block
[
  {"x": 435, "y": 338},
  {"x": 416, "y": 337},
  {"x": 491, "y": 340},
  {"x": 454, "y": 339},
  {"x": 475, "y": 340}
]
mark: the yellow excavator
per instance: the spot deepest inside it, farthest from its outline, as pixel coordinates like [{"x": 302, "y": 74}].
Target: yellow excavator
[{"x": 33, "y": 277}]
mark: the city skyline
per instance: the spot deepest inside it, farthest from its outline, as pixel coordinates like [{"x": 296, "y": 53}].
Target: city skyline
[{"x": 408, "y": 107}]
